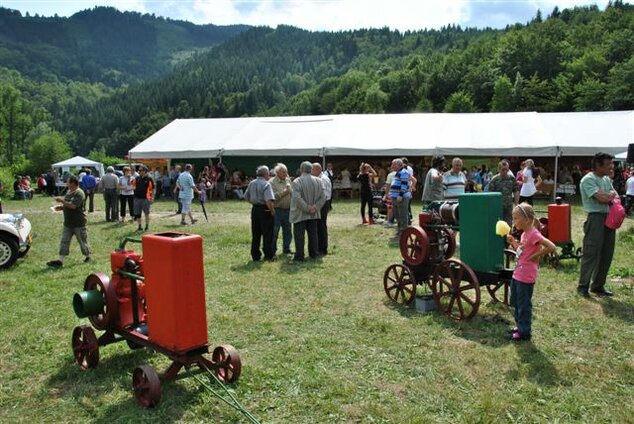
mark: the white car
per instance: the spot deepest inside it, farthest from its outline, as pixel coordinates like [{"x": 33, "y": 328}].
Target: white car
[{"x": 16, "y": 236}]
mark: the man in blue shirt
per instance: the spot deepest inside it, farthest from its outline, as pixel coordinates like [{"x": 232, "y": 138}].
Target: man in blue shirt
[
  {"x": 400, "y": 194},
  {"x": 88, "y": 184},
  {"x": 185, "y": 186}
]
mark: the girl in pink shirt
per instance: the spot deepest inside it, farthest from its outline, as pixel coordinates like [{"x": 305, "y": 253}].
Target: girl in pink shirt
[{"x": 529, "y": 249}]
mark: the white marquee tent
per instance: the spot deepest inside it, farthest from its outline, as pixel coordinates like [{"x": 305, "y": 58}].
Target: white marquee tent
[
  {"x": 419, "y": 134},
  {"x": 78, "y": 162}
]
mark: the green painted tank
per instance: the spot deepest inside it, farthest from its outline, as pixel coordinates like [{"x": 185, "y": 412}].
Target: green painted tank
[{"x": 480, "y": 247}]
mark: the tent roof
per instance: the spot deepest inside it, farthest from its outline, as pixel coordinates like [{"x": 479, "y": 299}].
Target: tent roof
[
  {"x": 585, "y": 133},
  {"x": 80, "y": 161},
  {"x": 76, "y": 161},
  {"x": 473, "y": 134}
]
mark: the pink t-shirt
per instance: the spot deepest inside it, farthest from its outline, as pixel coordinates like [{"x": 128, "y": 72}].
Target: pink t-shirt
[{"x": 526, "y": 270}]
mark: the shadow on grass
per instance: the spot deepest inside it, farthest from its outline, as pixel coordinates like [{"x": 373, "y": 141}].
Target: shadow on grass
[
  {"x": 617, "y": 309},
  {"x": 486, "y": 329},
  {"x": 289, "y": 266},
  {"x": 539, "y": 368},
  {"x": 72, "y": 381},
  {"x": 113, "y": 373},
  {"x": 246, "y": 267},
  {"x": 407, "y": 311}
]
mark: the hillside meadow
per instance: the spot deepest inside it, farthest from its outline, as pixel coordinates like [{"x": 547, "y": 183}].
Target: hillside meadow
[{"x": 320, "y": 341}]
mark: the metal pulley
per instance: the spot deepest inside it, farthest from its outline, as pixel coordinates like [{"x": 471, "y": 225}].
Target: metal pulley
[{"x": 449, "y": 213}]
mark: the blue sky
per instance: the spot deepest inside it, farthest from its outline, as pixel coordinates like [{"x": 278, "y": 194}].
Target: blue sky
[{"x": 321, "y": 14}]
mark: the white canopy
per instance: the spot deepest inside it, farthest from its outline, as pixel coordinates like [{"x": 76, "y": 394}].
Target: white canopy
[
  {"x": 78, "y": 162},
  {"x": 586, "y": 133},
  {"x": 621, "y": 156},
  {"x": 419, "y": 134}
]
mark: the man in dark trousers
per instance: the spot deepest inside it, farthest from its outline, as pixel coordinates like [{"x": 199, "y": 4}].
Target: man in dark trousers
[
  {"x": 221, "y": 181},
  {"x": 598, "y": 241},
  {"x": 109, "y": 184},
  {"x": 260, "y": 194},
  {"x": 307, "y": 199},
  {"x": 72, "y": 204},
  {"x": 322, "y": 228},
  {"x": 177, "y": 173},
  {"x": 88, "y": 185},
  {"x": 143, "y": 196}
]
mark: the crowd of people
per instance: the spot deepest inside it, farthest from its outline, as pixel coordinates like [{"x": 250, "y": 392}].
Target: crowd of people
[
  {"x": 281, "y": 203},
  {"x": 298, "y": 207}
]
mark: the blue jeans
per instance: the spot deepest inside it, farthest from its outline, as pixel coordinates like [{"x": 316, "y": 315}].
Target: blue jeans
[
  {"x": 282, "y": 220},
  {"x": 521, "y": 300}
]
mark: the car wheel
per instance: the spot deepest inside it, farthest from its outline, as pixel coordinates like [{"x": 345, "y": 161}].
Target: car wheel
[{"x": 8, "y": 251}]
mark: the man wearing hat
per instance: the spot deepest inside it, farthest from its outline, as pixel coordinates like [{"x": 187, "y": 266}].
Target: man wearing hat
[{"x": 109, "y": 184}]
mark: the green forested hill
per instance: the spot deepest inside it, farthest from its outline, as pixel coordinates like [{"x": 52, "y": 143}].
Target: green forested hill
[
  {"x": 571, "y": 60},
  {"x": 101, "y": 45}
]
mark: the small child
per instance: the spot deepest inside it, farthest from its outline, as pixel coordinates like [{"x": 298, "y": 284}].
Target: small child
[{"x": 531, "y": 247}]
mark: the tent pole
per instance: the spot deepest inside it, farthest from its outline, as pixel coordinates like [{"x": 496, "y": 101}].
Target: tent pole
[
  {"x": 323, "y": 159},
  {"x": 557, "y": 152}
]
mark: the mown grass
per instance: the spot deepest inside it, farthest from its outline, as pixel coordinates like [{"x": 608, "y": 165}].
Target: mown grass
[{"x": 320, "y": 342}]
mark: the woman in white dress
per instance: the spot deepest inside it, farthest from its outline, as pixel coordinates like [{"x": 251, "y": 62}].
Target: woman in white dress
[
  {"x": 528, "y": 190},
  {"x": 346, "y": 183}
]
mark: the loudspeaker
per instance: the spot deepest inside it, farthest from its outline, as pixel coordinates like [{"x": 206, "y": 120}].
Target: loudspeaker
[{"x": 630, "y": 153}]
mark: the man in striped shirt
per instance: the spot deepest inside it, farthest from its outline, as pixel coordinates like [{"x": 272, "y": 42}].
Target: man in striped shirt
[
  {"x": 400, "y": 194},
  {"x": 454, "y": 181}
]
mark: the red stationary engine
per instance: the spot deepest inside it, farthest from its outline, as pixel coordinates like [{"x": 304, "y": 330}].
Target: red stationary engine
[{"x": 154, "y": 300}]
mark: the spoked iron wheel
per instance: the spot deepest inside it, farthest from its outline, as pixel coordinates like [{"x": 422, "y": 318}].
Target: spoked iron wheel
[
  {"x": 227, "y": 364},
  {"x": 414, "y": 244},
  {"x": 399, "y": 284},
  {"x": 499, "y": 292},
  {"x": 85, "y": 347},
  {"x": 101, "y": 283},
  {"x": 456, "y": 289},
  {"x": 509, "y": 258},
  {"x": 146, "y": 386}
]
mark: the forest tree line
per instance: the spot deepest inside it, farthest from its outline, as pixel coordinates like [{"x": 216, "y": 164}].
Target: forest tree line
[{"x": 578, "y": 59}]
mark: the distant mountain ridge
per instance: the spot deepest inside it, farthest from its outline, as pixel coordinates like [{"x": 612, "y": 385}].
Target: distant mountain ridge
[
  {"x": 101, "y": 44},
  {"x": 579, "y": 59}
]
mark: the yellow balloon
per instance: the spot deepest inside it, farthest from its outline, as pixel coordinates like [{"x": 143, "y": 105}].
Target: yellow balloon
[{"x": 502, "y": 229}]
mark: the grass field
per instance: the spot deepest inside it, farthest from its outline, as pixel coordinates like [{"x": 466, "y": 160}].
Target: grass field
[{"x": 320, "y": 341}]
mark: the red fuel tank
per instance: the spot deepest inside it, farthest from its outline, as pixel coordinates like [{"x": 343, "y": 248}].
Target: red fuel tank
[
  {"x": 175, "y": 290},
  {"x": 559, "y": 223}
]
